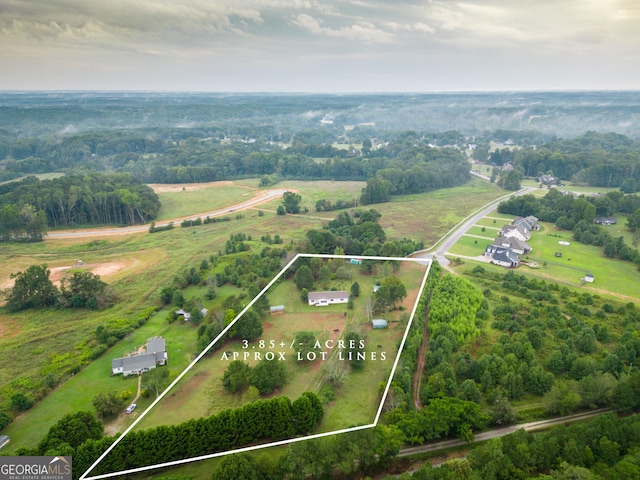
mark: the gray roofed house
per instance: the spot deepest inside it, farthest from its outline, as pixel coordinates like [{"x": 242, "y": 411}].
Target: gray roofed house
[
  {"x": 154, "y": 354},
  {"x": 529, "y": 222},
  {"x": 606, "y": 220},
  {"x": 513, "y": 243},
  {"x": 322, "y": 299},
  {"x": 502, "y": 256}
]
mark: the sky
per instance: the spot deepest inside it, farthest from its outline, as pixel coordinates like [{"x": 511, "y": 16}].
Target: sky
[{"x": 329, "y": 46}]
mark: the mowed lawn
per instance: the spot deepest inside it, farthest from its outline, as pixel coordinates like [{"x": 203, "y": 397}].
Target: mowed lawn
[
  {"x": 617, "y": 277},
  {"x": 611, "y": 275},
  {"x": 78, "y": 392},
  {"x": 470, "y": 246}
]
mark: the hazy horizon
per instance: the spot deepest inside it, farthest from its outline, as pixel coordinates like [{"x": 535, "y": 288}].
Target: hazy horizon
[{"x": 320, "y": 46}]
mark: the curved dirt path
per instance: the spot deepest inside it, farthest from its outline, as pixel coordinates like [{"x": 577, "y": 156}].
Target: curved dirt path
[{"x": 259, "y": 199}]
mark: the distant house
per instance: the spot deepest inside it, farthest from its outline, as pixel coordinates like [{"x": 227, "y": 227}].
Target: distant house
[
  {"x": 519, "y": 231},
  {"x": 323, "y": 299},
  {"x": 154, "y": 353},
  {"x": 507, "y": 167},
  {"x": 276, "y": 309},
  {"x": 513, "y": 243},
  {"x": 379, "y": 323},
  {"x": 186, "y": 315},
  {"x": 376, "y": 288},
  {"x": 548, "y": 179},
  {"x": 503, "y": 256},
  {"x": 606, "y": 220}
]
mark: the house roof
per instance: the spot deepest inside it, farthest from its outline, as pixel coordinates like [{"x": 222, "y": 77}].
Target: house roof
[
  {"x": 156, "y": 345},
  {"x": 503, "y": 254},
  {"x": 328, "y": 295},
  {"x": 512, "y": 242},
  {"x": 138, "y": 362}
]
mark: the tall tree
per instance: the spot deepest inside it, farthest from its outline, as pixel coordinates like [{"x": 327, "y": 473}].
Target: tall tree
[
  {"x": 32, "y": 289},
  {"x": 291, "y": 202}
]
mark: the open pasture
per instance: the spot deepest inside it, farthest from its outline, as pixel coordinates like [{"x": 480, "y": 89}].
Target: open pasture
[{"x": 200, "y": 392}]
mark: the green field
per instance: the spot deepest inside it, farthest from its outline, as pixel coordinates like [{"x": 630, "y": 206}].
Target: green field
[
  {"x": 428, "y": 216},
  {"x": 489, "y": 233},
  {"x": 614, "y": 276},
  {"x": 470, "y": 246},
  {"x": 177, "y": 202}
]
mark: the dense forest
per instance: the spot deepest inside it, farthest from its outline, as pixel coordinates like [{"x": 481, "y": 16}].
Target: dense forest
[{"x": 29, "y": 206}]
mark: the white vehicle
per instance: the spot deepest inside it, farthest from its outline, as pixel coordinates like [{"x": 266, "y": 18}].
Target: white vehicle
[{"x": 131, "y": 408}]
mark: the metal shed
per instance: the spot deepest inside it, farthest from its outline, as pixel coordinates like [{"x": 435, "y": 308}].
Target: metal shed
[{"x": 379, "y": 323}]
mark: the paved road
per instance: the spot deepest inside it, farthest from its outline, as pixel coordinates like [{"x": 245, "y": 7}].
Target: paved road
[
  {"x": 500, "y": 432},
  {"x": 453, "y": 236},
  {"x": 89, "y": 232}
]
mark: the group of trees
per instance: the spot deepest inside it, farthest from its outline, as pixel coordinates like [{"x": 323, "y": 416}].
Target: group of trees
[
  {"x": 94, "y": 198},
  {"x": 81, "y": 435},
  {"x": 267, "y": 376},
  {"x": 34, "y": 289},
  {"x": 605, "y": 447},
  {"x": 416, "y": 170},
  {"x": 359, "y": 233}
]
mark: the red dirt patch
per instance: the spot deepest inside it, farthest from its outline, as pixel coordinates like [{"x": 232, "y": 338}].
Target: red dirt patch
[{"x": 104, "y": 270}]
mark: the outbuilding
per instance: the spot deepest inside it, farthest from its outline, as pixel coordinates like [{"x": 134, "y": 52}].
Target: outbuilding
[
  {"x": 276, "y": 309},
  {"x": 379, "y": 323}
]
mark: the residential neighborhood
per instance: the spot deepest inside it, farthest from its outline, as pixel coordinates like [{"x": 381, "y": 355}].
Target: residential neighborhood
[{"x": 512, "y": 242}]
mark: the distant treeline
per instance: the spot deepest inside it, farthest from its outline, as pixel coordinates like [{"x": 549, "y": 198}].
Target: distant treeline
[
  {"x": 595, "y": 159},
  {"x": 94, "y": 198}
]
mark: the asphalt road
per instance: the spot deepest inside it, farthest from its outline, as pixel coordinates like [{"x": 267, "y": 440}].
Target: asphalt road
[
  {"x": 89, "y": 232},
  {"x": 454, "y": 235},
  {"x": 500, "y": 432}
]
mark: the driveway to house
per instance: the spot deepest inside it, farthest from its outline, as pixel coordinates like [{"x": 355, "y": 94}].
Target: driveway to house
[
  {"x": 91, "y": 232},
  {"x": 450, "y": 238}
]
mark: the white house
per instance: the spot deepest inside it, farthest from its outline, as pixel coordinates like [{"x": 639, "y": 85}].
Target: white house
[
  {"x": 519, "y": 231},
  {"x": 154, "y": 353},
  {"x": 323, "y": 299}
]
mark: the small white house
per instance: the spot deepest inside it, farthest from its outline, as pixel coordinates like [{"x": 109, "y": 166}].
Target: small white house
[
  {"x": 589, "y": 278},
  {"x": 323, "y": 299}
]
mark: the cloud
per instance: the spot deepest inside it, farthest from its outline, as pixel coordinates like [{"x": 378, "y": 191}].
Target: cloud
[{"x": 364, "y": 31}]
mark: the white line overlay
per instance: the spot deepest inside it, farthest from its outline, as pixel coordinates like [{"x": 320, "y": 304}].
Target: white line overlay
[{"x": 213, "y": 342}]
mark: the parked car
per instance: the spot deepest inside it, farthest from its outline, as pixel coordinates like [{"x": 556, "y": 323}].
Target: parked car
[{"x": 131, "y": 408}]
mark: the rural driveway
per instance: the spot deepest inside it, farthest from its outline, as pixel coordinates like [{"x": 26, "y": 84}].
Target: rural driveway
[{"x": 89, "y": 232}]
